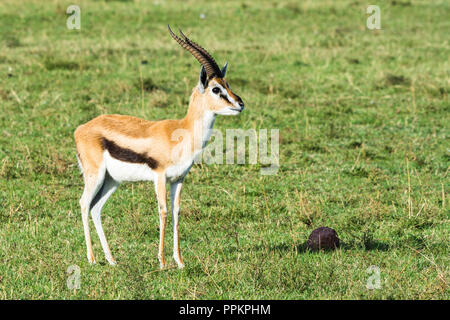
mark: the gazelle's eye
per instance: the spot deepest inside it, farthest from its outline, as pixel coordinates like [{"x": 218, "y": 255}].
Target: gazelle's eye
[{"x": 216, "y": 90}]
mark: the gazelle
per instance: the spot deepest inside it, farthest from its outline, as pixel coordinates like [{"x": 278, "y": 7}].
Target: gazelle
[{"x": 116, "y": 148}]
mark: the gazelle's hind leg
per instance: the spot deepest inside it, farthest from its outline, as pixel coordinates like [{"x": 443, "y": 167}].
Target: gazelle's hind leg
[
  {"x": 92, "y": 183},
  {"x": 109, "y": 186}
]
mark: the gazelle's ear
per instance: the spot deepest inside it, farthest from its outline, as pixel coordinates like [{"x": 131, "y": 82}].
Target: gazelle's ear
[
  {"x": 203, "y": 81},
  {"x": 224, "y": 70}
]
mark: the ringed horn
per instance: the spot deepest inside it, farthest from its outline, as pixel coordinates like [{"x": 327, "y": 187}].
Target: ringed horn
[{"x": 199, "y": 53}]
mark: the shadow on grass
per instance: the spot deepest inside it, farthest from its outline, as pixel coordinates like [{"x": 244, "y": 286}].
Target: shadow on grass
[{"x": 373, "y": 245}]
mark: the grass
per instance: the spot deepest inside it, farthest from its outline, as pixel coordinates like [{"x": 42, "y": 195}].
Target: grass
[{"x": 364, "y": 148}]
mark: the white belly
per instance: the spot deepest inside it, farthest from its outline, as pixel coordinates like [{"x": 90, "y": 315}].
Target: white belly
[
  {"x": 126, "y": 171},
  {"x": 122, "y": 171}
]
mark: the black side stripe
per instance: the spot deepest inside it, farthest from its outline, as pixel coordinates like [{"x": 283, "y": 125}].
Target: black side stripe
[{"x": 127, "y": 155}]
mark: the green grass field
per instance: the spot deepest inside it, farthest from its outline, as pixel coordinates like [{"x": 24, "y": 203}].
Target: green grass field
[{"x": 364, "y": 149}]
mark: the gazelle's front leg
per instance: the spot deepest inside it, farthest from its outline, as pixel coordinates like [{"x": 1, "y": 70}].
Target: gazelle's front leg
[
  {"x": 175, "y": 197},
  {"x": 160, "y": 188}
]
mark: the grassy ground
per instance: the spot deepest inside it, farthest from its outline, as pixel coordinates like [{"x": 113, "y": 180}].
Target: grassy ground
[{"x": 364, "y": 148}]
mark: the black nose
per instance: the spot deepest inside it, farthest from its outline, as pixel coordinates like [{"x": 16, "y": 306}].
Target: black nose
[{"x": 241, "y": 104}]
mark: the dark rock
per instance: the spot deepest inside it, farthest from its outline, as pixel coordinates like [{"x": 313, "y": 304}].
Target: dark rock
[{"x": 323, "y": 238}]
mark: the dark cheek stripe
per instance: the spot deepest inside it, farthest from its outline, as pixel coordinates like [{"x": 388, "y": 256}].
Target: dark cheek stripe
[
  {"x": 225, "y": 98},
  {"x": 127, "y": 155}
]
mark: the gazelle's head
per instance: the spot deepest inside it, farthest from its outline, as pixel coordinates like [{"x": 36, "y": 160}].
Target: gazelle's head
[{"x": 212, "y": 85}]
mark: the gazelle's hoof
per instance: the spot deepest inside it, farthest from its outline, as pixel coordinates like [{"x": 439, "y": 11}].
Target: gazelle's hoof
[
  {"x": 179, "y": 262},
  {"x": 162, "y": 264},
  {"x": 91, "y": 259},
  {"x": 112, "y": 262}
]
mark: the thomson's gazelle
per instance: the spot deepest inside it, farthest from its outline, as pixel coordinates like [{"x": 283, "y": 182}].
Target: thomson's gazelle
[{"x": 116, "y": 148}]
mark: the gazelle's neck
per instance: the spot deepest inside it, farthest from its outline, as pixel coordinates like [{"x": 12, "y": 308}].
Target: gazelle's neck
[{"x": 199, "y": 120}]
